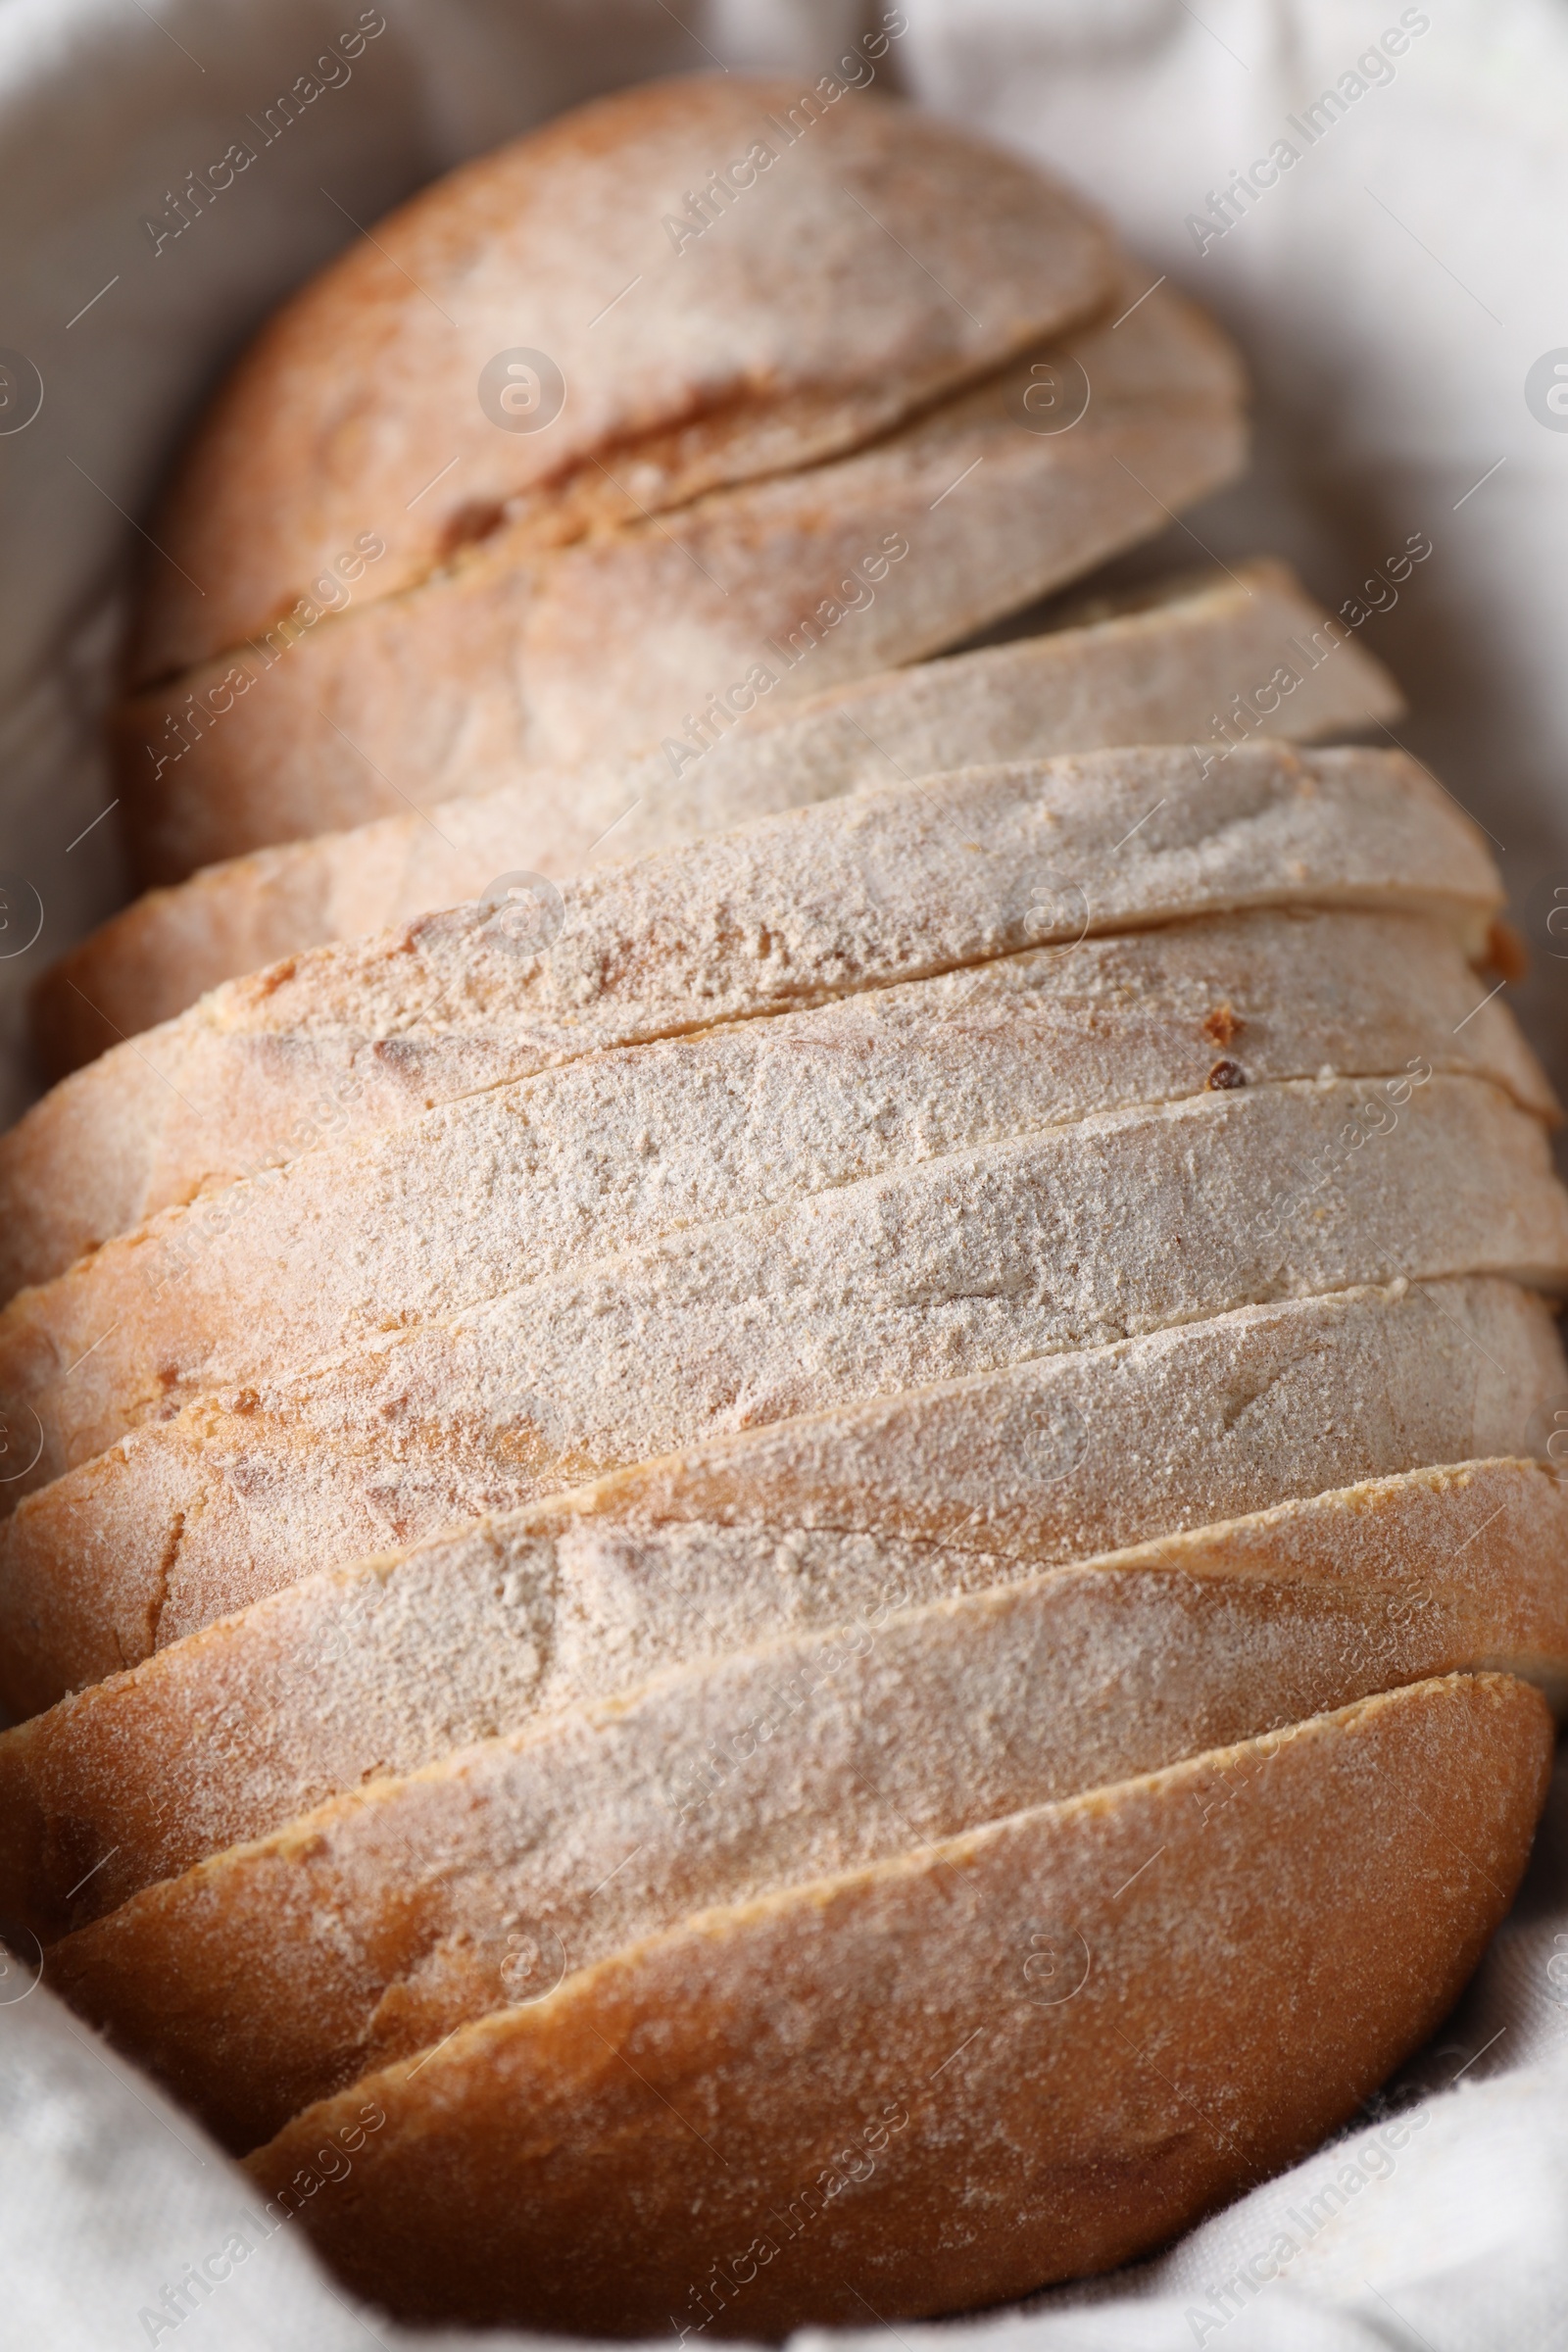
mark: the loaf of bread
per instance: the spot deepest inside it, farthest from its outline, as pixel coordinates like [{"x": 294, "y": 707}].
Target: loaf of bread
[
  {"x": 1173, "y": 664},
  {"x": 813, "y": 1581},
  {"x": 1111, "y": 1355}
]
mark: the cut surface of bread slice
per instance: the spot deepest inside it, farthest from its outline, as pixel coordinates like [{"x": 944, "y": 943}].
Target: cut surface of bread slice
[
  {"x": 1157, "y": 673},
  {"x": 778, "y": 2093},
  {"x": 612, "y": 1151},
  {"x": 855, "y": 894},
  {"x": 498, "y": 1871},
  {"x": 211, "y": 1743},
  {"x": 787, "y": 585},
  {"x": 797, "y": 332},
  {"x": 875, "y": 1286}
]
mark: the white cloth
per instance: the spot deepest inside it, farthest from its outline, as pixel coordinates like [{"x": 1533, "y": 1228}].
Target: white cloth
[{"x": 1394, "y": 288}]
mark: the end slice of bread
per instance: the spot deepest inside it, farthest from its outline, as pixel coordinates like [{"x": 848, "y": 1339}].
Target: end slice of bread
[{"x": 760, "y": 2111}]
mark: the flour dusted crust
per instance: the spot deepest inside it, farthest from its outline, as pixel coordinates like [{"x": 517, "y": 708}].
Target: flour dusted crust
[
  {"x": 1156, "y": 673},
  {"x": 383, "y": 1667},
  {"x": 777, "y": 2093},
  {"x": 722, "y": 1782},
  {"x": 871, "y": 559},
  {"x": 608, "y": 1152},
  {"x": 831, "y": 1601},
  {"x": 959, "y": 1264},
  {"x": 858, "y": 893},
  {"x": 786, "y": 337}
]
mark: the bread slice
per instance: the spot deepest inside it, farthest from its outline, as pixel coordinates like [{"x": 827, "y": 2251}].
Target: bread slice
[
  {"x": 612, "y": 1151},
  {"x": 720, "y": 1782},
  {"x": 748, "y": 1538},
  {"x": 689, "y": 359},
  {"x": 887, "y": 885},
  {"x": 782, "y": 587},
  {"x": 758, "y": 2116},
  {"x": 960, "y": 1264},
  {"x": 1169, "y": 666}
]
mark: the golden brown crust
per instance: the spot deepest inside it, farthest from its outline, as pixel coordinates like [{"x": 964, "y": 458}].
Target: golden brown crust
[
  {"x": 384, "y": 1667},
  {"x": 829, "y": 1308},
  {"x": 855, "y": 894},
  {"x": 792, "y": 334},
  {"x": 1157, "y": 673},
  {"x": 782, "y": 587},
  {"x": 615, "y": 2147}
]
